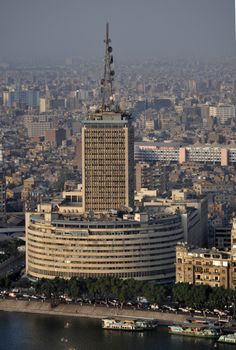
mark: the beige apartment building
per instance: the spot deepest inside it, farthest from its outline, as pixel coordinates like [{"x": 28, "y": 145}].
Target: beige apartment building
[
  {"x": 107, "y": 162},
  {"x": 207, "y": 266},
  {"x": 203, "y": 266}
]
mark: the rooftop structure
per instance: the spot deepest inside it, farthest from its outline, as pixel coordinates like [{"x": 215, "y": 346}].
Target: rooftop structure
[{"x": 193, "y": 210}]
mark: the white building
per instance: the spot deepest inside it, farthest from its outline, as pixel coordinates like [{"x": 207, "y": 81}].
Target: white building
[{"x": 224, "y": 113}]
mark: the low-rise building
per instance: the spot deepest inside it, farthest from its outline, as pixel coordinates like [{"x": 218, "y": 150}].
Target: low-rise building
[
  {"x": 223, "y": 155},
  {"x": 203, "y": 266},
  {"x": 207, "y": 266}
]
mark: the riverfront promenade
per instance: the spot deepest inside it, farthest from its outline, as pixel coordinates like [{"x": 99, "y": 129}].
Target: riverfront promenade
[{"x": 90, "y": 311}]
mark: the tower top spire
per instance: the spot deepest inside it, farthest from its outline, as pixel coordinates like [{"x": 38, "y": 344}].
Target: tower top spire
[{"x": 108, "y": 76}]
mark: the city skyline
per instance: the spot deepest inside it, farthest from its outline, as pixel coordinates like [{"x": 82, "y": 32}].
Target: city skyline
[
  {"x": 118, "y": 183},
  {"x": 52, "y": 30}
]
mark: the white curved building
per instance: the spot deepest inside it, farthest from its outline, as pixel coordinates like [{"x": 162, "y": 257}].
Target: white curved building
[{"x": 137, "y": 247}]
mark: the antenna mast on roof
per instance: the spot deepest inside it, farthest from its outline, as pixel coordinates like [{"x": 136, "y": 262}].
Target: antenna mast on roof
[{"x": 108, "y": 78}]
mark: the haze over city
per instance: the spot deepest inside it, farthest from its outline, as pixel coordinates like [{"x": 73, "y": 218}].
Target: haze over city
[
  {"x": 55, "y": 29},
  {"x": 117, "y": 174}
]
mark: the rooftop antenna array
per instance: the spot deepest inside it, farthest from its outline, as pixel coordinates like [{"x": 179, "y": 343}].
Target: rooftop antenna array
[{"x": 108, "y": 77}]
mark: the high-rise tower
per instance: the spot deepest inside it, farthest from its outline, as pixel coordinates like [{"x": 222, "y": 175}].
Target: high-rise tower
[{"x": 107, "y": 149}]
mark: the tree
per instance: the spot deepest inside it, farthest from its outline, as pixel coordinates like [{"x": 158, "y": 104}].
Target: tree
[
  {"x": 73, "y": 288},
  {"x": 182, "y": 293},
  {"x": 218, "y": 298},
  {"x": 200, "y": 295}
]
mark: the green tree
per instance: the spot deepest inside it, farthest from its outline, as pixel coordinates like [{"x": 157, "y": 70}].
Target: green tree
[{"x": 73, "y": 288}]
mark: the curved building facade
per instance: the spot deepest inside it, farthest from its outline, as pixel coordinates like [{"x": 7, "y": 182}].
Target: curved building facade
[{"x": 66, "y": 246}]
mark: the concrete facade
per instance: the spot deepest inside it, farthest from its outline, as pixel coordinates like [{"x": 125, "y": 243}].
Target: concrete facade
[
  {"x": 68, "y": 245},
  {"x": 107, "y": 162},
  {"x": 203, "y": 266}
]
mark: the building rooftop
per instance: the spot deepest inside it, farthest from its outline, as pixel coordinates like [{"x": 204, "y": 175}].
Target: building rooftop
[
  {"x": 205, "y": 252},
  {"x": 107, "y": 117}
]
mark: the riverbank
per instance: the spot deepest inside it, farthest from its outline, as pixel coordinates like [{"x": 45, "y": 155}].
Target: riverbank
[{"x": 88, "y": 311}]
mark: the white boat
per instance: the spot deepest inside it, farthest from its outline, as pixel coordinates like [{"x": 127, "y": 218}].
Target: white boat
[
  {"x": 228, "y": 339},
  {"x": 195, "y": 330},
  {"x": 128, "y": 325}
]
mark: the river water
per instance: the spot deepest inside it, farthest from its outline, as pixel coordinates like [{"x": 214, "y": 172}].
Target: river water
[{"x": 41, "y": 332}]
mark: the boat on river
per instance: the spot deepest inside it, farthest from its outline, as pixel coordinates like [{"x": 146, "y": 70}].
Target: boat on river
[
  {"x": 196, "y": 330},
  {"x": 228, "y": 339},
  {"x": 128, "y": 325}
]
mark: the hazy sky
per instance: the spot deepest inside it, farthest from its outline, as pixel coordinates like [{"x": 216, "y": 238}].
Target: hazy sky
[{"x": 139, "y": 28}]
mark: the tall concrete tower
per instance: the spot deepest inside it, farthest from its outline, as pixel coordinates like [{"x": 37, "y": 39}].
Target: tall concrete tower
[{"x": 107, "y": 149}]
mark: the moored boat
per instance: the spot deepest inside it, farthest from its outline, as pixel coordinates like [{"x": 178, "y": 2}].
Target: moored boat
[
  {"x": 196, "y": 330},
  {"x": 128, "y": 325},
  {"x": 228, "y": 339}
]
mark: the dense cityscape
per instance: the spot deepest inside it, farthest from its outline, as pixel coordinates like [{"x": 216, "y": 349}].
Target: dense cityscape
[{"x": 117, "y": 193}]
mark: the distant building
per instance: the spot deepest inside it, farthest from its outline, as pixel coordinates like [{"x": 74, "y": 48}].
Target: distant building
[
  {"x": 78, "y": 155},
  {"x": 224, "y": 113},
  {"x": 151, "y": 176},
  {"x": 37, "y": 125},
  {"x": 57, "y": 103},
  {"x": 222, "y": 237},
  {"x": 167, "y": 152},
  {"x": 44, "y": 105},
  {"x": 192, "y": 86},
  {"x": 21, "y": 97},
  {"x": 55, "y": 136},
  {"x": 8, "y": 98},
  {"x": 28, "y": 186}
]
